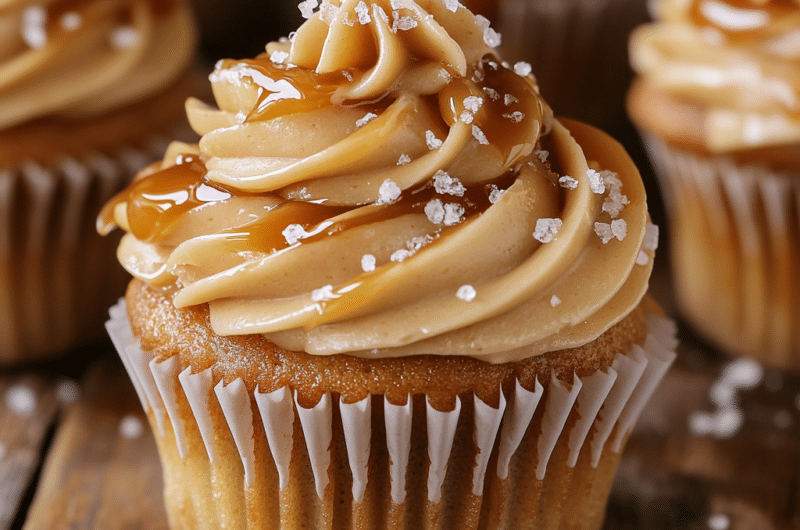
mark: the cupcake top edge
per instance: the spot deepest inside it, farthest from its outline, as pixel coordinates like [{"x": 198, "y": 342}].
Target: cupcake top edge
[
  {"x": 381, "y": 183},
  {"x": 733, "y": 63},
  {"x": 82, "y": 58}
]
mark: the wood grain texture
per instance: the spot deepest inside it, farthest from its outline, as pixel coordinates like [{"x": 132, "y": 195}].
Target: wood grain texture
[{"x": 102, "y": 470}]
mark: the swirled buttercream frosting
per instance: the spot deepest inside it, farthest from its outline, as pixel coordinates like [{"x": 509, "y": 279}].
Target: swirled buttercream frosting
[
  {"x": 84, "y": 57},
  {"x": 738, "y": 60},
  {"x": 382, "y": 184}
]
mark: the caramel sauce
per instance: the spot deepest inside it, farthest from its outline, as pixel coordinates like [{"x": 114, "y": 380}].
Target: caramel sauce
[{"x": 740, "y": 19}]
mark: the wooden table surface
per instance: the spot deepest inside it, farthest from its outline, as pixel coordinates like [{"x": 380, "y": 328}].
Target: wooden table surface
[{"x": 76, "y": 451}]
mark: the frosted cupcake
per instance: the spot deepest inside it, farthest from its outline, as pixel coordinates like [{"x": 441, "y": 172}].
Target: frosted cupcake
[
  {"x": 88, "y": 92},
  {"x": 718, "y": 105},
  {"x": 388, "y": 289}
]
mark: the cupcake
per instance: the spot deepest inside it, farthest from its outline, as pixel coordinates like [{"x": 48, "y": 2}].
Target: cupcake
[
  {"x": 578, "y": 50},
  {"x": 88, "y": 93},
  {"x": 718, "y": 106},
  {"x": 387, "y": 289}
]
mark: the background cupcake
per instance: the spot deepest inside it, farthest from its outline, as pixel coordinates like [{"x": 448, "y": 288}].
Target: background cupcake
[
  {"x": 394, "y": 293},
  {"x": 718, "y": 106},
  {"x": 88, "y": 93}
]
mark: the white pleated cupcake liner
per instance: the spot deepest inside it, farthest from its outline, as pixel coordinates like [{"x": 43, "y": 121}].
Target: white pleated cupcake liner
[
  {"x": 735, "y": 250},
  {"x": 57, "y": 275},
  {"x": 609, "y": 401},
  {"x": 578, "y": 50}
]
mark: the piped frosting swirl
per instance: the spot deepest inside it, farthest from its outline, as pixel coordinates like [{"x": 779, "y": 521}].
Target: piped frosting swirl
[{"x": 382, "y": 184}]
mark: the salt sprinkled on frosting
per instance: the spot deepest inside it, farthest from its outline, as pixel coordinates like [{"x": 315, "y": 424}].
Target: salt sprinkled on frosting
[
  {"x": 523, "y": 69},
  {"x": 21, "y": 400},
  {"x": 495, "y": 193},
  {"x": 568, "y": 182},
  {"x": 403, "y": 160},
  {"x": 130, "y": 427},
  {"x": 650, "y": 241},
  {"x": 490, "y": 37},
  {"x": 368, "y": 117},
  {"x": 307, "y": 7},
  {"x": 363, "y": 13},
  {"x": 447, "y": 185},
  {"x": 323, "y": 293},
  {"x": 473, "y": 103},
  {"x": 278, "y": 56},
  {"x": 294, "y": 233},
  {"x": 448, "y": 214},
  {"x": 478, "y": 134},
  {"x": 615, "y": 201},
  {"x": 492, "y": 93},
  {"x": 328, "y": 12},
  {"x": 403, "y": 23},
  {"x": 466, "y": 293},
  {"x": 509, "y": 99},
  {"x": 546, "y": 229},
  {"x": 452, "y": 5},
  {"x": 432, "y": 141},
  {"x": 466, "y": 117},
  {"x": 542, "y": 155},
  {"x": 642, "y": 258},
  {"x": 388, "y": 192},
  {"x": 368, "y": 263},
  {"x": 618, "y": 228},
  {"x": 515, "y": 116},
  {"x": 554, "y": 301},
  {"x": 596, "y": 181}
]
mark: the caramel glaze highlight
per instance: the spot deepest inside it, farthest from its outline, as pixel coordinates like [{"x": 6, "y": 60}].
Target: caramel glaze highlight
[{"x": 166, "y": 331}]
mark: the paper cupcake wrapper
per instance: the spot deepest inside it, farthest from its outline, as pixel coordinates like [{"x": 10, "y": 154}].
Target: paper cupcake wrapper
[
  {"x": 735, "y": 240},
  {"x": 578, "y": 50},
  {"x": 57, "y": 275},
  {"x": 608, "y": 404}
]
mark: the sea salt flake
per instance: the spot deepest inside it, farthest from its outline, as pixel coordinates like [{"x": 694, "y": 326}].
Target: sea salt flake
[
  {"x": 294, "y": 233},
  {"x": 278, "y": 57},
  {"x": 650, "y": 241},
  {"x": 473, "y": 103},
  {"x": 477, "y": 133},
  {"x": 403, "y": 160},
  {"x": 240, "y": 117},
  {"x": 495, "y": 193},
  {"x": 466, "y": 293},
  {"x": 307, "y": 7},
  {"x": 404, "y": 23},
  {"x": 434, "y": 210},
  {"x": 363, "y": 13},
  {"x": 490, "y": 37},
  {"x": 568, "y": 182},
  {"x": 492, "y": 93},
  {"x": 368, "y": 263},
  {"x": 554, "y": 301},
  {"x": 124, "y": 37},
  {"x": 466, "y": 117},
  {"x": 515, "y": 116},
  {"x": 444, "y": 74},
  {"x": 546, "y": 229},
  {"x": 347, "y": 21},
  {"x": 619, "y": 227},
  {"x": 401, "y": 255},
  {"x": 432, "y": 141},
  {"x": 388, "y": 193},
  {"x": 542, "y": 155},
  {"x": 328, "y": 12},
  {"x": 452, "y": 5},
  {"x": 21, "y": 400},
  {"x": 447, "y": 185},
  {"x": 523, "y": 69},
  {"x": 368, "y": 117},
  {"x": 347, "y": 75},
  {"x": 508, "y": 99},
  {"x": 131, "y": 427},
  {"x": 595, "y": 181},
  {"x": 642, "y": 258},
  {"x": 71, "y": 21},
  {"x": 323, "y": 294}
]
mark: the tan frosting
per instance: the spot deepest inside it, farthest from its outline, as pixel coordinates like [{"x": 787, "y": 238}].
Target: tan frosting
[
  {"x": 382, "y": 185},
  {"x": 739, "y": 60},
  {"x": 83, "y": 57}
]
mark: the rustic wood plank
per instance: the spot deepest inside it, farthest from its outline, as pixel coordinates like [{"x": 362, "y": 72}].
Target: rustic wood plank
[
  {"x": 28, "y": 406},
  {"x": 102, "y": 470}
]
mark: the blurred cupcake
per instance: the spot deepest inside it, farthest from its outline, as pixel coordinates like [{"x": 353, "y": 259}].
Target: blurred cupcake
[
  {"x": 578, "y": 50},
  {"x": 387, "y": 289},
  {"x": 89, "y": 91},
  {"x": 718, "y": 106}
]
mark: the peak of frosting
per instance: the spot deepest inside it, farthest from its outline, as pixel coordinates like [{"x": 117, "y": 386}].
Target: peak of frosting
[
  {"x": 83, "y": 57},
  {"x": 383, "y": 184}
]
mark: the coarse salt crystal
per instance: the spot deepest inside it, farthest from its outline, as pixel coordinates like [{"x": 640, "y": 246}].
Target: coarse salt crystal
[
  {"x": 447, "y": 185},
  {"x": 363, "y": 13},
  {"x": 294, "y": 233},
  {"x": 650, "y": 241},
  {"x": 467, "y": 117},
  {"x": 434, "y": 210},
  {"x": 328, "y": 12},
  {"x": 404, "y": 23},
  {"x": 388, "y": 193},
  {"x": 515, "y": 117},
  {"x": 492, "y": 93},
  {"x": 368, "y": 117},
  {"x": 473, "y": 103},
  {"x": 618, "y": 228},
  {"x": 542, "y": 155},
  {"x": 642, "y": 258},
  {"x": 347, "y": 21},
  {"x": 495, "y": 193},
  {"x": 403, "y": 160},
  {"x": 478, "y": 134},
  {"x": 523, "y": 69},
  {"x": 595, "y": 181},
  {"x": 453, "y": 213},
  {"x": 278, "y": 56},
  {"x": 401, "y": 255},
  {"x": 347, "y": 75},
  {"x": 432, "y": 141},
  {"x": 323, "y": 294},
  {"x": 509, "y": 99},
  {"x": 307, "y": 7},
  {"x": 466, "y": 293},
  {"x": 546, "y": 229},
  {"x": 444, "y": 74},
  {"x": 452, "y": 5},
  {"x": 368, "y": 263},
  {"x": 568, "y": 182},
  {"x": 554, "y": 301}
]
